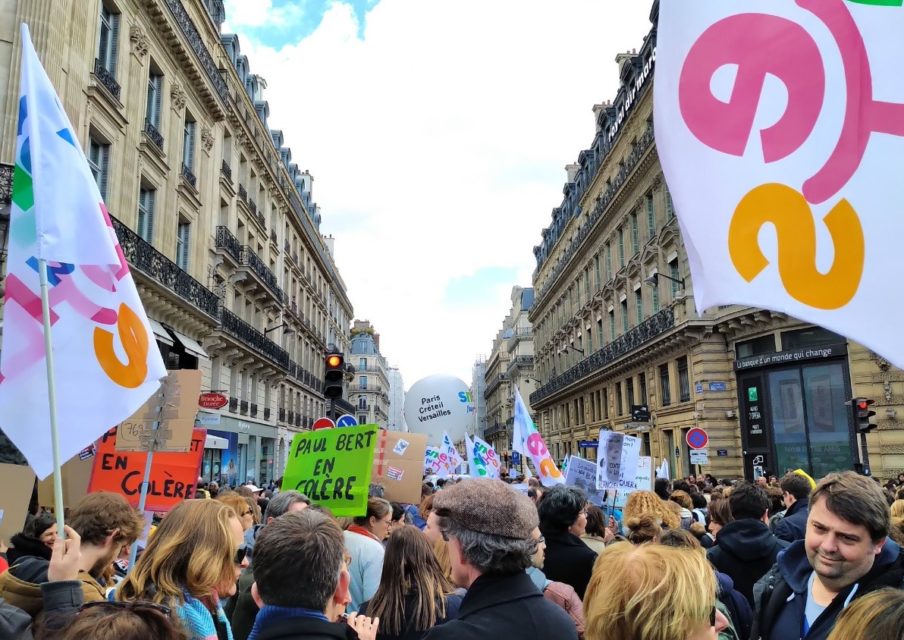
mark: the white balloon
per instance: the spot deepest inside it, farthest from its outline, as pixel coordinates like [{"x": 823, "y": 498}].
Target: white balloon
[{"x": 439, "y": 403}]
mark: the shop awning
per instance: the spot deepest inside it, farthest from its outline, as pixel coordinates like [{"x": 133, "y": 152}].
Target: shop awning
[
  {"x": 160, "y": 332},
  {"x": 190, "y": 345},
  {"x": 215, "y": 442}
]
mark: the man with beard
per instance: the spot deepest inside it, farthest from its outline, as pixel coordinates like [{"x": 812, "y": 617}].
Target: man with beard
[{"x": 845, "y": 554}]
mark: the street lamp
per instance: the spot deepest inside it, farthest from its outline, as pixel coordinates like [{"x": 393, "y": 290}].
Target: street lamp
[
  {"x": 653, "y": 280},
  {"x": 279, "y": 326},
  {"x": 573, "y": 348}
]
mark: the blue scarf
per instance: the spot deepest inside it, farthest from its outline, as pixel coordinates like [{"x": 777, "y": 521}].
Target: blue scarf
[{"x": 270, "y": 614}]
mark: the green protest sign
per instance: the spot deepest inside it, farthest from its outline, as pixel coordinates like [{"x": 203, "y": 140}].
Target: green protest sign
[{"x": 332, "y": 467}]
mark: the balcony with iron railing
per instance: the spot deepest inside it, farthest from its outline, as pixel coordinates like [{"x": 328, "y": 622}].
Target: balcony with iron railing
[
  {"x": 150, "y": 130},
  {"x": 189, "y": 176},
  {"x": 243, "y": 193},
  {"x": 635, "y": 338},
  {"x": 226, "y": 170},
  {"x": 267, "y": 413},
  {"x": 105, "y": 76},
  {"x": 146, "y": 259},
  {"x": 253, "y": 409},
  {"x": 250, "y": 336},
  {"x": 228, "y": 244},
  {"x": 281, "y": 414},
  {"x": 243, "y": 407},
  {"x": 248, "y": 258},
  {"x": 519, "y": 334},
  {"x": 233, "y": 404}
]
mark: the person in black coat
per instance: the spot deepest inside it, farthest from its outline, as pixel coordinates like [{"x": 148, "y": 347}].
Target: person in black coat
[
  {"x": 298, "y": 602},
  {"x": 563, "y": 520},
  {"x": 746, "y": 549},
  {"x": 796, "y": 495},
  {"x": 489, "y": 527}
]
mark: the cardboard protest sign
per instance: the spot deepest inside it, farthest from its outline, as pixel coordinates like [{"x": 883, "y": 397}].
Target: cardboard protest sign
[
  {"x": 399, "y": 465},
  {"x": 76, "y": 476},
  {"x": 173, "y": 475},
  {"x": 178, "y": 396},
  {"x": 17, "y": 481},
  {"x": 643, "y": 480},
  {"x": 582, "y": 473},
  {"x": 616, "y": 459},
  {"x": 333, "y": 467}
]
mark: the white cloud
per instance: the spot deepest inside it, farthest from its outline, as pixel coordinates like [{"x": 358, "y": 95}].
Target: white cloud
[
  {"x": 260, "y": 13},
  {"x": 437, "y": 143}
]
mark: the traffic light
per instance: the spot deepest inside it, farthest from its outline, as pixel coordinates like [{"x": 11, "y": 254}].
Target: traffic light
[
  {"x": 862, "y": 414},
  {"x": 335, "y": 374}
]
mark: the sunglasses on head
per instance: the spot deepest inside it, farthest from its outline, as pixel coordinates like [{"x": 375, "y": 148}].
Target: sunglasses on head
[
  {"x": 240, "y": 554},
  {"x": 138, "y": 605}
]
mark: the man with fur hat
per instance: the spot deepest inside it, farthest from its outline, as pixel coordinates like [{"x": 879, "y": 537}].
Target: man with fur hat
[{"x": 488, "y": 527}]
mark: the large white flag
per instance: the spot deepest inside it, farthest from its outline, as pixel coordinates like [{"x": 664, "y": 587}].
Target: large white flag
[
  {"x": 780, "y": 127},
  {"x": 527, "y": 441},
  {"x": 106, "y": 360},
  {"x": 482, "y": 458}
]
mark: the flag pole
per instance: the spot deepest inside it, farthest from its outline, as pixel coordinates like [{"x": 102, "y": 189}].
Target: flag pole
[{"x": 51, "y": 399}]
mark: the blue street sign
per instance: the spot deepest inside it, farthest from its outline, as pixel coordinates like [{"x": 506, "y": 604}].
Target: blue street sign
[
  {"x": 346, "y": 421},
  {"x": 516, "y": 457},
  {"x": 588, "y": 444},
  {"x": 718, "y": 386}
]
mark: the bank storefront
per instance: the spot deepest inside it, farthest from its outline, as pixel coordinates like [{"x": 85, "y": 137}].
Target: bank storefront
[
  {"x": 792, "y": 403},
  {"x": 244, "y": 451}
]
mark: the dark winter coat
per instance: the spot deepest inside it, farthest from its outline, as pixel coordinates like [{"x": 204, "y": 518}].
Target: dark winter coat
[
  {"x": 307, "y": 629},
  {"x": 736, "y": 604},
  {"x": 568, "y": 560},
  {"x": 22, "y": 545},
  {"x": 781, "y": 595},
  {"x": 503, "y": 607},
  {"x": 746, "y": 550},
  {"x": 794, "y": 525}
]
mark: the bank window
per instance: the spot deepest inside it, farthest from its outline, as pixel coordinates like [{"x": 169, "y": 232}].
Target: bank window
[
  {"x": 809, "y": 337},
  {"x": 665, "y": 386},
  {"x": 684, "y": 382},
  {"x": 619, "y": 408},
  {"x": 756, "y": 347}
]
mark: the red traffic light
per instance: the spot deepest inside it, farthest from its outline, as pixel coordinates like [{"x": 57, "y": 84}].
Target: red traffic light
[{"x": 863, "y": 405}]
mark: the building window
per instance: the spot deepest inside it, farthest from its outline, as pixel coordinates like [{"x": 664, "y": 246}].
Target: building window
[
  {"x": 596, "y": 267},
  {"x": 642, "y": 379},
  {"x": 638, "y": 304},
  {"x": 362, "y": 364},
  {"x": 629, "y": 392},
  {"x": 669, "y": 206},
  {"x": 611, "y": 325},
  {"x": 154, "y": 97},
  {"x": 362, "y": 382},
  {"x": 756, "y": 346},
  {"x": 809, "y": 337},
  {"x": 605, "y": 403},
  {"x": 651, "y": 217},
  {"x": 608, "y": 262},
  {"x": 146, "y": 213},
  {"x": 654, "y": 297},
  {"x": 188, "y": 143},
  {"x": 362, "y": 403},
  {"x": 676, "y": 277},
  {"x": 619, "y": 409},
  {"x": 183, "y": 246},
  {"x": 108, "y": 45},
  {"x": 684, "y": 381},
  {"x": 362, "y": 419},
  {"x": 621, "y": 247},
  {"x": 635, "y": 234},
  {"x": 624, "y": 316},
  {"x": 665, "y": 387},
  {"x": 99, "y": 161}
]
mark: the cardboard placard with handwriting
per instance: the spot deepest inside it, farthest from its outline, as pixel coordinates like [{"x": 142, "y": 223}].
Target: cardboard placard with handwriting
[
  {"x": 76, "y": 475},
  {"x": 17, "y": 481},
  {"x": 399, "y": 465},
  {"x": 179, "y": 395}
]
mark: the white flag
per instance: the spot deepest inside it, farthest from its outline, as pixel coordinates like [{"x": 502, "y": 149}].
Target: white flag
[
  {"x": 106, "y": 359},
  {"x": 526, "y": 440},
  {"x": 780, "y": 128},
  {"x": 663, "y": 470}
]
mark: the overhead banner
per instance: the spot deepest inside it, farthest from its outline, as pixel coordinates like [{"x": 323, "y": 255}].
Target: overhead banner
[
  {"x": 333, "y": 467},
  {"x": 174, "y": 476},
  {"x": 780, "y": 128}
]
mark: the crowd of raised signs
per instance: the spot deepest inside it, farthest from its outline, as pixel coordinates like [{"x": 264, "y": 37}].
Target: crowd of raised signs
[{"x": 695, "y": 559}]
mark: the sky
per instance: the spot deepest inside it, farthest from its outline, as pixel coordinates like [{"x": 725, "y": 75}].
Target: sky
[{"x": 437, "y": 132}]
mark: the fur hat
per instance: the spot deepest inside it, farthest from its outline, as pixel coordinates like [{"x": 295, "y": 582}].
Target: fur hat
[{"x": 488, "y": 506}]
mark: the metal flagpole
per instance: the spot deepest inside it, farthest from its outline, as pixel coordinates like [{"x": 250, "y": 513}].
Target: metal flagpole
[{"x": 51, "y": 398}]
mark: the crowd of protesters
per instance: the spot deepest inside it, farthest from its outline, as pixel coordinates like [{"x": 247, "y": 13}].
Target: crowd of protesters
[{"x": 693, "y": 559}]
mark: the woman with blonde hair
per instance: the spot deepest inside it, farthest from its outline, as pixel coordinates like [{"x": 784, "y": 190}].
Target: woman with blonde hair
[
  {"x": 652, "y": 592},
  {"x": 193, "y": 561},
  {"x": 241, "y": 505},
  {"x": 414, "y": 595},
  {"x": 876, "y": 616},
  {"x": 647, "y": 502}
]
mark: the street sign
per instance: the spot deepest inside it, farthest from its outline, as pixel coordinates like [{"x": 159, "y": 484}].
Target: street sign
[
  {"x": 322, "y": 423},
  {"x": 212, "y": 400},
  {"x": 700, "y": 456},
  {"x": 697, "y": 438},
  {"x": 346, "y": 421},
  {"x": 516, "y": 458},
  {"x": 588, "y": 444},
  {"x": 722, "y": 453},
  {"x": 207, "y": 419}
]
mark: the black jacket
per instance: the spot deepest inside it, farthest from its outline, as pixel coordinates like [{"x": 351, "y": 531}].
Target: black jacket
[
  {"x": 503, "y": 608},
  {"x": 746, "y": 550},
  {"x": 23, "y": 545},
  {"x": 307, "y": 628},
  {"x": 568, "y": 560},
  {"x": 241, "y": 608},
  {"x": 781, "y": 595},
  {"x": 794, "y": 525}
]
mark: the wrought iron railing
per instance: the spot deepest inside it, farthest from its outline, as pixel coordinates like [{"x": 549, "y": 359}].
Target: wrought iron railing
[
  {"x": 248, "y": 258},
  {"x": 153, "y": 134},
  {"x": 291, "y": 418},
  {"x": 254, "y": 409},
  {"x": 243, "y": 407},
  {"x": 226, "y": 170},
  {"x": 281, "y": 414},
  {"x": 228, "y": 242},
  {"x": 106, "y": 78},
  {"x": 233, "y": 404},
  {"x": 190, "y": 31},
  {"x": 267, "y": 413},
  {"x": 240, "y": 329},
  {"x": 189, "y": 176},
  {"x": 495, "y": 429},
  {"x": 653, "y": 326},
  {"x": 6, "y": 183},
  {"x": 243, "y": 194},
  {"x": 298, "y": 420},
  {"x": 157, "y": 266}
]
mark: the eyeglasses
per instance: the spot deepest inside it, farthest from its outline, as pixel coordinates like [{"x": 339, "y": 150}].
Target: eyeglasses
[
  {"x": 240, "y": 554},
  {"x": 132, "y": 606}
]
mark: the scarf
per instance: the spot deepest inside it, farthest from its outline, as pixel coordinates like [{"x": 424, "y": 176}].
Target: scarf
[
  {"x": 198, "y": 619},
  {"x": 364, "y": 532},
  {"x": 271, "y": 613}
]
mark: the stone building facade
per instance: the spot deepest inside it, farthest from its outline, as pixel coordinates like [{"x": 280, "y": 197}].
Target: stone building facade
[
  {"x": 369, "y": 392},
  {"x": 216, "y": 220},
  {"x": 616, "y": 329}
]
